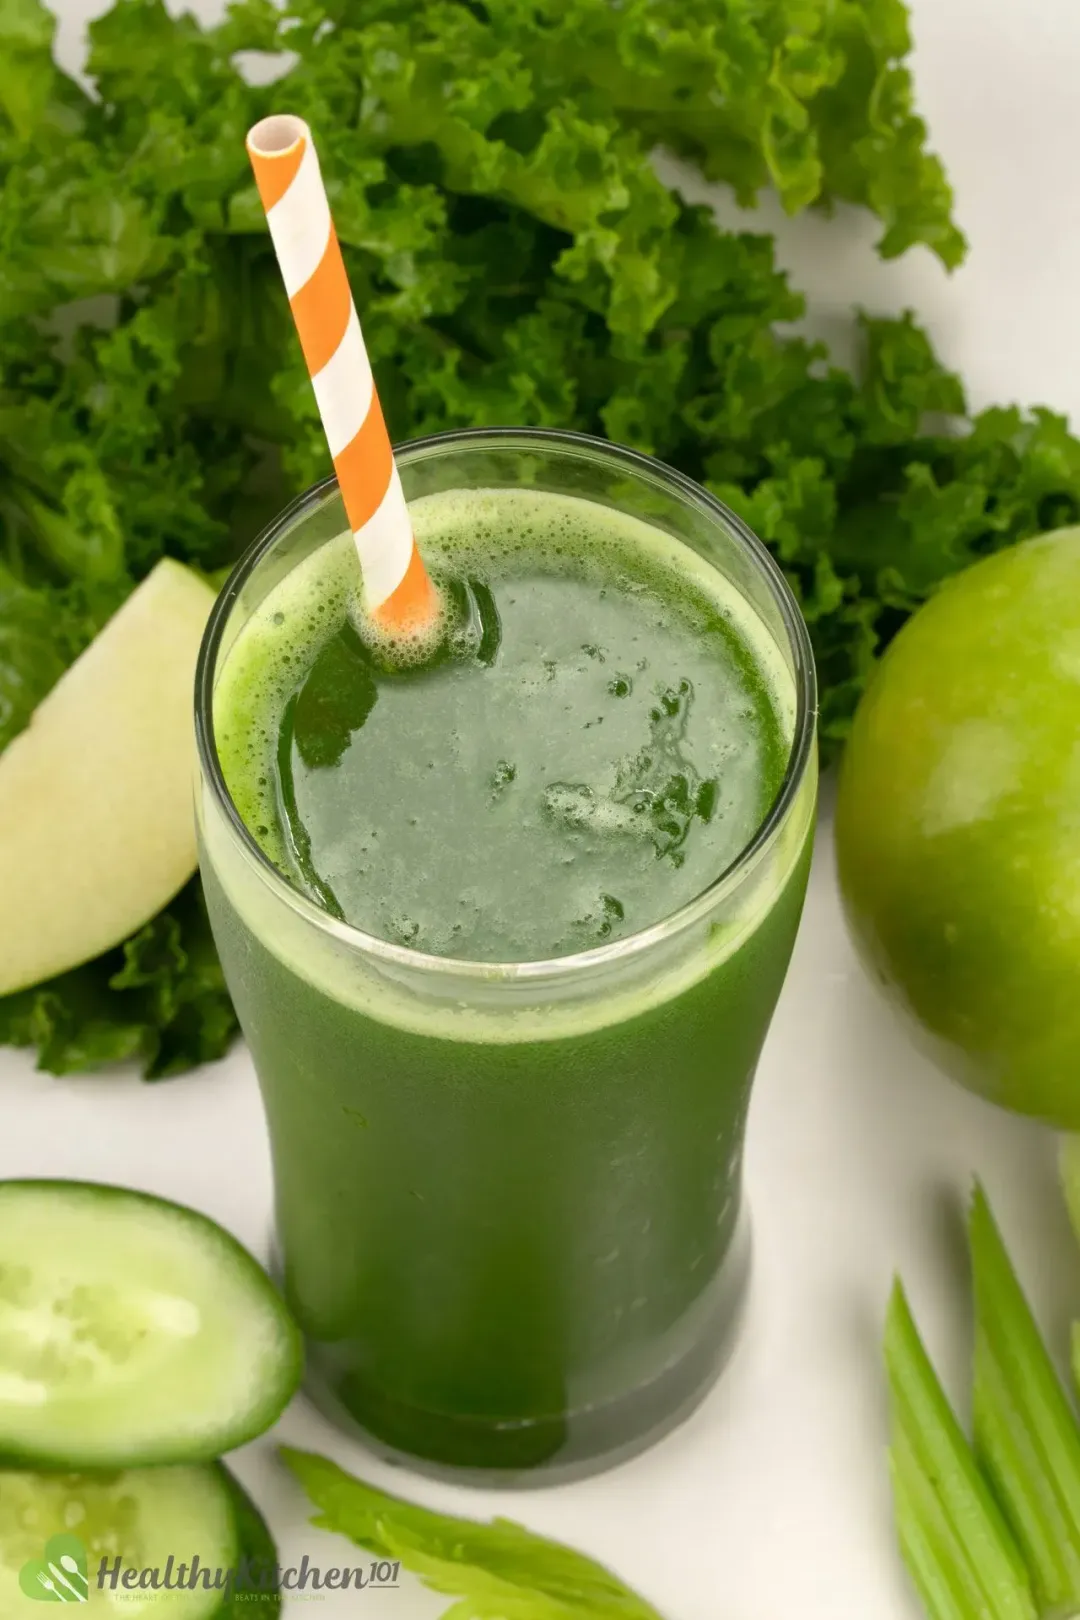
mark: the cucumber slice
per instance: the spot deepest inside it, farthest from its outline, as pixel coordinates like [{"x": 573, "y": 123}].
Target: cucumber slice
[
  {"x": 56, "y": 1530},
  {"x": 132, "y": 1331},
  {"x": 256, "y": 1594}
]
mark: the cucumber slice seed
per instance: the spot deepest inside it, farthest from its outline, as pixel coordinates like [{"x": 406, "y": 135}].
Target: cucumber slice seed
[
  {"x": 56, "y": 1529},
  {"x": 132, "y": 1331}
]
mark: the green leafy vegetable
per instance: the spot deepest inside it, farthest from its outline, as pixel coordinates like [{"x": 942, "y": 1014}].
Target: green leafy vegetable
[
  {"x": 516, "y": 260},
  {"x": 497, "y": 1570},
  {"x": 159, "y": 999}
]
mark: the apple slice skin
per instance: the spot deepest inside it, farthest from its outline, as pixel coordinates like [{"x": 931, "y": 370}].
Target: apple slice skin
[{"x": 96, "y": 822}]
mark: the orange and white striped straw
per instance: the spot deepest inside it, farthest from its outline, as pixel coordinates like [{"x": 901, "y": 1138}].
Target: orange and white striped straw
[{"x": 397, "y": 590}]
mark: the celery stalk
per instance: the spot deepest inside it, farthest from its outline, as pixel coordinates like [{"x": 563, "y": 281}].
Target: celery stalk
[
  {"x": 1069, "y": 1165},
  {"x": 1007, "y": 1456},
  {"x": 944, "y": 1576},
  {"x": 1026, "y": 1435},
  {"x": 955, "y": 1542},
  {"x": 1070, "y": 1180}
]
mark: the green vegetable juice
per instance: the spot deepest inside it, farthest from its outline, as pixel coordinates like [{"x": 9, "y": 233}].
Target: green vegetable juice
[
  {"x": 506, "y": 1134},
  {"x": 590, "y": 746}
]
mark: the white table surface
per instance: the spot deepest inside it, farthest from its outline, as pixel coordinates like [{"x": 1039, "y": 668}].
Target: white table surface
[{"x": 772, "y": 1500}]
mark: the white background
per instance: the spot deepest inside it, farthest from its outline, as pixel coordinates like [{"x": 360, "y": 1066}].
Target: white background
[{"x": 772, "y": 1500}]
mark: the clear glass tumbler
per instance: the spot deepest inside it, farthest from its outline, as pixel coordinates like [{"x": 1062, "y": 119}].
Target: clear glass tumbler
[{"x": 508, "y": 1195}]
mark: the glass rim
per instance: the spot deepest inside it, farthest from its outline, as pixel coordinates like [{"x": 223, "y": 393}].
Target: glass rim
[{"x": 586, "y": 446}]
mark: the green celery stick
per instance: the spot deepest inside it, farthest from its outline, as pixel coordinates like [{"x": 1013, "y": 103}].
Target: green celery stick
[
  {"x": 497, "y": 1570},
  {"x": 1026, "y": 1435},
  {"x": 1069, "y": 1164},
  {"x": 954, "y": 1540},
  {"x": 945, "y": 1578},
  {"x": 1070, "y": 1181}
]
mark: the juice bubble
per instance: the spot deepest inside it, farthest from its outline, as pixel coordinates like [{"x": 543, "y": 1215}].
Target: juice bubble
[
  {"x": 466, "y": 627},
  {"x": 576, "y": 805},
  {"x": 600, "y": 919},
  {"x": 396, "y": 651},
  {"x": 501, "y": 777}
]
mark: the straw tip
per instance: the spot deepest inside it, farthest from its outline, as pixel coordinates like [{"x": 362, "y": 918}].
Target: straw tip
[
  {"x": 277, "y": 136},
  {"x": 414, "y": 608}
]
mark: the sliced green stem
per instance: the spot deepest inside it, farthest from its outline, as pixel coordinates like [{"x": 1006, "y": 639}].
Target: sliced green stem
[
  {"x": 944, "y": 1576},
  {"x": 1015, "y": 1472},
  {"x": 954, "y": 1539},
  {"x": 1069, "y": 1169},
  {"x": 1026, "y": 1434},
  {"x": 499, "y": 1570}
]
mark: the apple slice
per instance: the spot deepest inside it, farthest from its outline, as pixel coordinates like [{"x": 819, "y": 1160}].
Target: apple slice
[{"x": 96, "y": 824}]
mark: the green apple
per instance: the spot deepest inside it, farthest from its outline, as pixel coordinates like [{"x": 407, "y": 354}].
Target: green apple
[
  {"x": 96, "y": 821},
  {"x": 958, "y": 825}
]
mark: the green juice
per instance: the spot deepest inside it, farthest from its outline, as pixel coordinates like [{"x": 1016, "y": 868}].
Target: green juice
[
  {"x": 590, "y": 746},
  {"x": 507, "y": 1199}
]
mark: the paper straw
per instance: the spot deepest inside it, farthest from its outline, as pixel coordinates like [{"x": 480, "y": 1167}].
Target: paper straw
[{"x": 397, "y": 591}]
